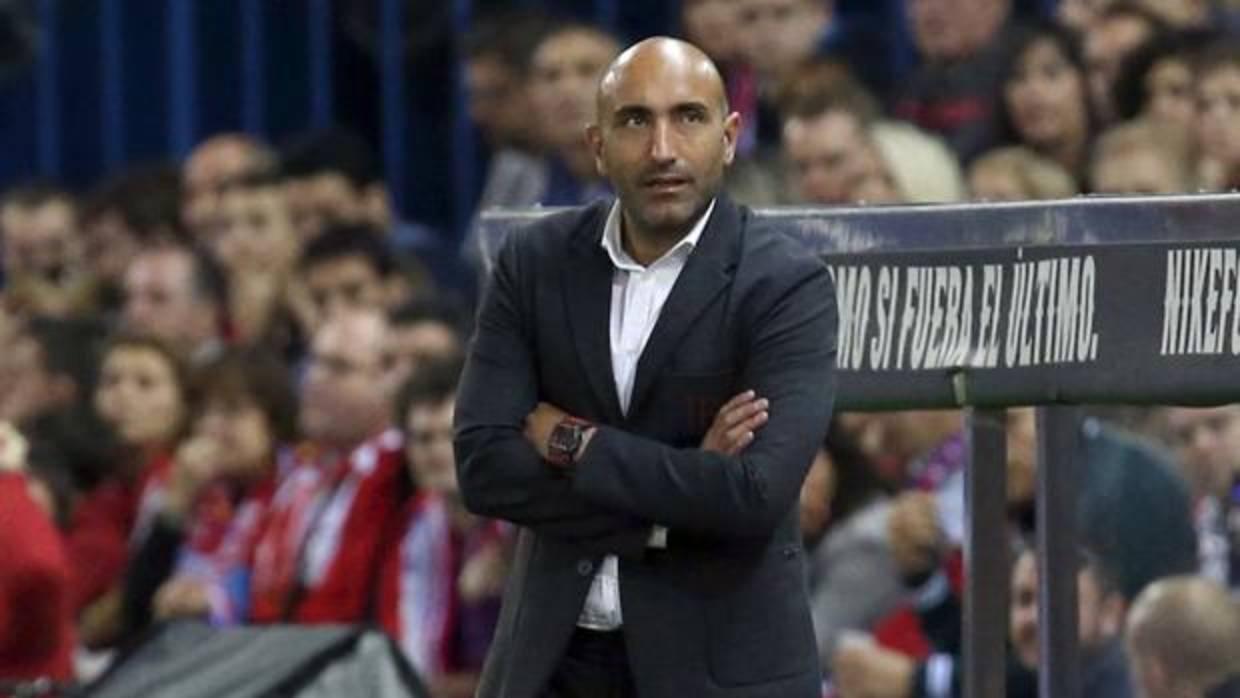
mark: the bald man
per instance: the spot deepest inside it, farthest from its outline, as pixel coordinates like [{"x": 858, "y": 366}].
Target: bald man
[
  {"x": 644, "y": 395},
  {"x": 1184, "y": 640}
]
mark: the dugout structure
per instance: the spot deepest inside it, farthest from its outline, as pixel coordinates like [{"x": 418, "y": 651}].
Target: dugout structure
[{"x": 1089, "y": 301}]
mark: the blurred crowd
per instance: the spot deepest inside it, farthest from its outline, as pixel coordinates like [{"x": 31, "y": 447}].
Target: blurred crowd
[{"x": 227, "y": 383}]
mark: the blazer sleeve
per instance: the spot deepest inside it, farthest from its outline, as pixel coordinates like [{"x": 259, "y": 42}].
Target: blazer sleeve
[
  {"x": 501, "y": 475},
  {"x": 790, "y": 362}
]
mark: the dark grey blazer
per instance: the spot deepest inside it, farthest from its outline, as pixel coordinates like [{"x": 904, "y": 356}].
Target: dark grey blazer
[{"x": 723, "y": 610}]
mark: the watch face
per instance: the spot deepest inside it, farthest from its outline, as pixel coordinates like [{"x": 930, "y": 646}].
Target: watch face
[{"x": 565, "y": 438}]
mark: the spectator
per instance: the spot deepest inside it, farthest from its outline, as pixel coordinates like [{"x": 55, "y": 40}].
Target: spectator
[
  {"x": 50, "y": 366},
  {"x": 44, "y": 271},
  {"x": 1156, "y": 80},
  {"x": 1206, "y": 442},
  {"x": 212, "y": 165},
  {"x": 564, "y": 75},
  {"x": 853, "y": 580},
  {"x": 316, "y": 559},
  {"x": 952, "y": 93},
  {"x": 257, "y": 245},
  {"x": 1182, "y": 14},
  {"x": 1118, "y": 31},
  {"x": 1017, "y": 173},
  {"x": 1184, "y": 640},
  {"x": 1045, "y": 100},
  {"x": 713, "y": 26},
  {"x": 178, "y": 293},
  {"x": 921, "y": 166},
  {"x": 441, "y": 584},
  {"x": 1218, "y": 114},
  {"x": 344, "y": 269},
  {"x": 1141, "y": 157},
  {"x": 424, "y": 332},
  {"x": 143, "y": 395},
  {"x": 1078, "y": 15},
  {"x": 195, "y": 559}
]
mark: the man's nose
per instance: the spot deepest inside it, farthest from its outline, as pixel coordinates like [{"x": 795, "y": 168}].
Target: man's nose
[{"x": 662, "y": 148}]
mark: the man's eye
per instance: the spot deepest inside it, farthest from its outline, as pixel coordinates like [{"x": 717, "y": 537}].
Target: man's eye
[{"x": 633, "y": 120}]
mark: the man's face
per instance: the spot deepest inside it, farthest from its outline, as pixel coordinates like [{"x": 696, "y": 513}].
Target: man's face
[
  {"x": 826, "y": 156},
  {"x": 204, "y": 175},
  {"x": 1099, "y": 615},
  {"x": 160, "y": 299},
  {"x": 1218, "y": 114},
  {"x": 713, "y": 26},
  {"x": 323, "y": 199},
  {"x": 1169, "y": 90},
  {"x": 1207, "y": 445},
  {"x": 341, "y": 286},
  {"x": 664, "y": 140},
  {"x": 498, "y": 103},
  {"x": 1136, "y": 171},
  {"x": 255, "y": 232},
  {"x": 779, "y": 35},
  {"x": 428, "y": 446},
  {"x": 950, "y": 30},
  {"x": 414, "y": 345},
  {"x": 564, "y": 79},
  {"x": 26, "y": 388},
  {"x": 40, "y": 239},
  {"x": 1107, "y": 44},
  {"x": 345, "y": 397}
]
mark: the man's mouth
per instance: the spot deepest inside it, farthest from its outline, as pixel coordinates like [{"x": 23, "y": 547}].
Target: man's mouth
[{"x": 666, "y": 184}]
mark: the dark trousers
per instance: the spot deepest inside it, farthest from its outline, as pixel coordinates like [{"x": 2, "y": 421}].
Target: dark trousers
[{"x": 595, "y": 665}]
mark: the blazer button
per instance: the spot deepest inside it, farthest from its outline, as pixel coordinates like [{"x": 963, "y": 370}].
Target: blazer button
[{"x": 585, "y": 568}]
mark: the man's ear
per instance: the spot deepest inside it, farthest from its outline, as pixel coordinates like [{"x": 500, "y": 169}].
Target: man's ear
[
  {"x": 731, "y": 132},
  {"x": 594, "y": 136},
  {"x": 377, "y": 207}
]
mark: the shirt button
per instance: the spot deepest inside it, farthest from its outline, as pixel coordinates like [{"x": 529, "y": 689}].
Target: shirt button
[{"x": 585, "y": 568}]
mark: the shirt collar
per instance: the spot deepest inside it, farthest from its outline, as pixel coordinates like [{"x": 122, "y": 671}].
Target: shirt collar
[{"x": 621, "y": 258}]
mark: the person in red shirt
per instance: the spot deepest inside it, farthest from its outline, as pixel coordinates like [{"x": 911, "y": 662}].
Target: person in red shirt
[
  {"x": 315, "y": 560},
  {"x": 442, "y": 579}
]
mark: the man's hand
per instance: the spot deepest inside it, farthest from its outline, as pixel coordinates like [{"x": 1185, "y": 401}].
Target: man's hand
[
  {"x": 181, "y": 597},
  {"x": 865, "y": 670},
  {"x": 735, "y": 424},
  {"x": 541, "y": 422},
  {"x": 917, "y": 541}
]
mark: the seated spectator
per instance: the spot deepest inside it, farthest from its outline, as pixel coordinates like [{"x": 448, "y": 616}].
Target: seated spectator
[
  {"x": 50, "y": 367},
  {"x": 1119, "y": 30},
  {"x": 424, "y": 332},
  {"x": 1156, "y": 80},
  {"x": 44, "y": 270},
  {"x": 1044, "y": 101},
  {"x": 1017, "y": 173},
  {"x": 1206, "y": 442},
  {"x": 713, "y": 26},
  {"x": 1141, "y": 157},
  {"x": 134, "y": 209},
  {"x": 1184, "y": 640},
  {"x": 143, "y": 395},
  {"x": 317, "y": 557},
  {"x": 1218, "y": 116},
  {"x": 195, "y": 560},
  {"x": 212, "y": 165},
  {"x": 1078, "y": 15},
  {"x": 36, "y": 599},
  {"x": 952, "y": 93},
  {"x": 258, "y": 247},
  {"x": 342, "y": 270},
  {"x": 178, "y": 293},
  {"x": 1182, "y": 14},
  {"x": 853, "y": 580},
  {"x": 922, "y": 167},
  {"x": 440, "y": 589}
]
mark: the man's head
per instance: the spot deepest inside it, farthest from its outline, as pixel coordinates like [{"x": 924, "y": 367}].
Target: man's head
[
  {"x": 1121, "y": 29},
  {"x": 424, "y": 411},
  {"x": 49, "y": 367},
  {"x": 423, "y": 332},
  {"x": 825, "y": 140},
  {"x": 136, "y": 208},
  {"x": 177, "y": 293},
  {"x": 38, "y": 232},
  {"x": 776, "y": 36},
  {"x": 255, "y": 231},
  {"x": 331, "y": 177},
  {"x": 1218, "y": 104},
  {"x": 664, "y": 134},
  {"x": 498, "y": 51},
  {"x": 564, "y": 75},
  {"x": 1181, "y": 14},
  {"x": 1206, "y": 442},
  {"x": 714, "y": 26},
  {"x": 346, "y": 396},
  {"x": 1017, "y": 173},
  {"x": 213, "y": 164},
  {"x": 1100, "y": 605},
  {"x": 1143, "y": 157},
  {"x": 947, "y": 31},
  {"x": 1183, "y": 638},
  {"x": 345, "y": 269}
]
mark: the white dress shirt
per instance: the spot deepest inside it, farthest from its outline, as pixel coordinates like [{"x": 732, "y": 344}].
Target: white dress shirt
[{"x": 637, "y": 296}]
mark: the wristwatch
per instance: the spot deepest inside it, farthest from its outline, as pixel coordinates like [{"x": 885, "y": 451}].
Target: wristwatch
[{"x": 565, "y": 441}]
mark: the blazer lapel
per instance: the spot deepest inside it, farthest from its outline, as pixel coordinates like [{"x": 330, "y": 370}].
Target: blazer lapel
[
  {"x": 587, "y": 296},
  {"x": 707, "y": 273}
]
